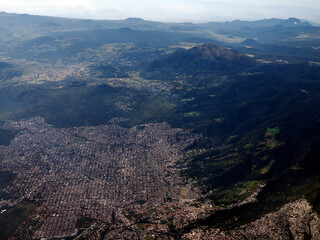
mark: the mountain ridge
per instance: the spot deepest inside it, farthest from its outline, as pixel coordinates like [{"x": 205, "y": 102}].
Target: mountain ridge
[{"x": 206, "y": 58}]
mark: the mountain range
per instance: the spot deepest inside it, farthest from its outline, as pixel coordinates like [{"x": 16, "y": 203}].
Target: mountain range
[{"x": 144, "y": 130}]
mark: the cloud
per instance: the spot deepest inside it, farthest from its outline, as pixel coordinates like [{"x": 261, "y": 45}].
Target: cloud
[{"x": 168, "y": 10}]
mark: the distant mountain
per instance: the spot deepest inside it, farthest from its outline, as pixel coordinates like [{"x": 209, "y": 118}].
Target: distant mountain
[
  {"x": 205, "y": 58},
  {"x": 7, "y": 71},
  {"x": 316, "y": 24},
  {"x": 134, "y": 20},
  {"x": 13, "y": 19},
  {"x": 266, "y": 31},
  {"x": 250, "y": 42},
  {"x": 236, "y": 24}
]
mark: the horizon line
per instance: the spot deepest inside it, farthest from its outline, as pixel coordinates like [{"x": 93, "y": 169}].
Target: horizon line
[{"x": 153, "y": 20}]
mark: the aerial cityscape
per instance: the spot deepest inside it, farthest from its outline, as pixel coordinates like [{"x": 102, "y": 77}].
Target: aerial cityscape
[{"x": 149, "y": 129}]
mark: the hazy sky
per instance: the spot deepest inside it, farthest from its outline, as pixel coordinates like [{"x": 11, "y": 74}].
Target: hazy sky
[{"x": 168, "y": 10}]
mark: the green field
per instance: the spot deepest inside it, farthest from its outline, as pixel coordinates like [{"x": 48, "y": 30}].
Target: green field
[
  {"x": 235, "y": 193},
  {"x": 192, "y": 114}
]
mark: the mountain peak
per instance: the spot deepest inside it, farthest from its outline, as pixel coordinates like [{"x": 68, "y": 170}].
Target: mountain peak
[
  {"x": 211, "y": 52},
  {"x": 202, "y": 59},
  {"x": 135, "y": 20}
]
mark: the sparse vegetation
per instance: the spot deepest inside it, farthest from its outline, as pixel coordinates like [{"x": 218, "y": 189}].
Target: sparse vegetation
[
  {"x": 192, "y": 114},
  {"x": 11, "y": 219}
]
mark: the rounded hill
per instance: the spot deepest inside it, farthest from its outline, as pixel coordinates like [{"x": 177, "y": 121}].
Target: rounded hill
[{"x": 201, "y": 59}]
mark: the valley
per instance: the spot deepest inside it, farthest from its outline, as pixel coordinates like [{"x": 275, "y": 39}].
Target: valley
[{"x": 135, "y": 129}]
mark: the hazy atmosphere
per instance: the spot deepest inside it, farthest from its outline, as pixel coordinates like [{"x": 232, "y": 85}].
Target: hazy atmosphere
[
  {"x": 167, "y": 119},
  {"x": 169, "y": 10}
]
